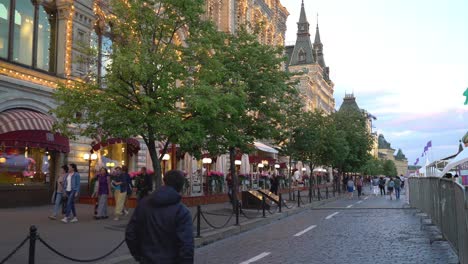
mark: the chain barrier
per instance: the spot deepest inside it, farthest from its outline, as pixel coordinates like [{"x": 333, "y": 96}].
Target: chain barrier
[
  {"x": 194, "y": 218},
  {"x": 249, "y": 217},
  {"x": 213, "y": 226},
  {"x": 286, "y": 205},
  {"x": 15, "y": 250},
  {"x": 79, "y": 260},
  {"x": 274, "y": 212},
  {"x": 302, "y": 201}
]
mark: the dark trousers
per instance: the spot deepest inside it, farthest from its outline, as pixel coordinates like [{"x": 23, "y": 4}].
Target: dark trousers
[
  {"x": 397, "y": 192},
  {"x": 70, "y": 204},
  {"x": 359, "y": 191},
  {"x": 382, "y": 190}
]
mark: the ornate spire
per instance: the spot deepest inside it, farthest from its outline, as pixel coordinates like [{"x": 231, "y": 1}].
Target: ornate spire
[
  {"x": 317, "y": 34},
  {"x": 303, "y": 24}
]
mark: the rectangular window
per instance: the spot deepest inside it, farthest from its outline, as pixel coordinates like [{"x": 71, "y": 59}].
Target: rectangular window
[
  {"x": 24, "y": 166},
  {"x": 4, "y": 27},
  {"x": 44, "y": 41},
  {"x": 23, "y": 32}
]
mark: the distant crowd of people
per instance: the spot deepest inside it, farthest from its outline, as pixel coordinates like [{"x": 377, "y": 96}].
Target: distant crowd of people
[{"x": 386, "y": 185}]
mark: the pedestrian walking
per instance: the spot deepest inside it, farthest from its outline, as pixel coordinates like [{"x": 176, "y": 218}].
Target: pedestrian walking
[
  {"x": 359, "y": 184},
  {"x": 274, "y": 181},
  {"x": 58, "y": 194},
  {"x": 143, "y": 183},
  {"x": 390, "y": 187},
  {"x": 103, "y": 190},
  {"x": 382, "y": 186},
  {"x": 397, "y": 187},
  {"x": 71, "y": 185},
  {"x": 402, "y": 178},
  {"x": 160, "y": 229},
  {"x": 375, "y": 185},
  {"x": 350, "y": 187},
  {"x": 128, "y": 182},
  {"x": 120, "y": 192}
]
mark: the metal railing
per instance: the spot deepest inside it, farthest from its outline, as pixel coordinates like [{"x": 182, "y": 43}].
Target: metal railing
[{"x": 446, "y": 202}]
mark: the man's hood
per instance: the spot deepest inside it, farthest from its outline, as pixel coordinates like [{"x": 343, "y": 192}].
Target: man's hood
[{"x": 165, "y": 196}]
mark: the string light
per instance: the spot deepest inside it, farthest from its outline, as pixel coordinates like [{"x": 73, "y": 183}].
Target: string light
[{"x": 27, "y": 77}]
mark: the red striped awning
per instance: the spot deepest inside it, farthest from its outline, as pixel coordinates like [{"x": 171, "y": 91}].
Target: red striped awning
[
  {"x": 21, "y": 128},
  {"x": 21, "y": 119}
]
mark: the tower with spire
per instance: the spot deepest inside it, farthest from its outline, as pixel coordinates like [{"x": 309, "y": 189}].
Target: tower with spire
[{"x": 306, "y": 57}]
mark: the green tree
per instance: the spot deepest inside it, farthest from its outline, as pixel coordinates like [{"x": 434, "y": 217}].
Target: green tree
[
  {"x": 389, "y": 169},
  {"x": 353, "y": 127},
  {"x": 372, "y": 167},
  {"x": 246, "y": 96},
  {"x": 145, "y": 87}
]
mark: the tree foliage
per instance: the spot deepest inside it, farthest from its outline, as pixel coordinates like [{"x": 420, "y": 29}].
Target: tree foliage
[
  {"x": 389, "y": 169},
  {"x": 144, "y": 91},
  {"x": 353, "y": 127}
]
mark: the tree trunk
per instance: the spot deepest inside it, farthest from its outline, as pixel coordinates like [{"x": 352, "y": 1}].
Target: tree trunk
[
  {"x": 235, "y": 179},
  {"x": 289, "y": 177},
  {"x": 151, "y": 144}
]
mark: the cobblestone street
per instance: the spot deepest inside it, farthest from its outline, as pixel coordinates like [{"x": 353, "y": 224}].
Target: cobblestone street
[{"x": 374, "y": 230}]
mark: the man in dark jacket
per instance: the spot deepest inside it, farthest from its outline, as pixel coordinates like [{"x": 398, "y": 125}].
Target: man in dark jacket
[{"x": 160, "y": 230}]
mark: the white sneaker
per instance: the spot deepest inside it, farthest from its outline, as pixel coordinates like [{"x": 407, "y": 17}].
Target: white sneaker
[
  {"x": 52, "y": 217},
  {"x": 65, "y": 220},
  {"x": 125, "y": 212},
  {"x": 74, "y": 220},
  {"x": 116, "y": 219}
]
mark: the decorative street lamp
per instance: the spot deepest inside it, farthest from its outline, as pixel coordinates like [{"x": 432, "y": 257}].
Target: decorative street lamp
[
  {"x": 89, "y": 158},
  {"x": 165, "y": 158}
]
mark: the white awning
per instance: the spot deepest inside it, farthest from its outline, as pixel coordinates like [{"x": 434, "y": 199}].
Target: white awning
[
  {"x": 263, "y": 147},
  {"x": 462, "y": 157}
]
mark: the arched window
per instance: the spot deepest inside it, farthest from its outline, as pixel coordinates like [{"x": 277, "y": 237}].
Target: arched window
[{"x": 27, "y": 34}]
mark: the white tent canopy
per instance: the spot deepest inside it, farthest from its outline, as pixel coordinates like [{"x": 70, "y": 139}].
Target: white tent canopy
[{"x": 461, "y": 158}]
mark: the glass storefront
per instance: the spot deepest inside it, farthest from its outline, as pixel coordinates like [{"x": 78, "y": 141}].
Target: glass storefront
[
  {"x": 114, "y": 155},
  {"x": 4, "y": 28},
  {"x": 25, "y": 166}
]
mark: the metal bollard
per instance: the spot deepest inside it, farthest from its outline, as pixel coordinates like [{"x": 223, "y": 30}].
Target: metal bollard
[
  {"x": 294, "y": 196},
  {"x": 198, "y": 220},
  {"x": 32, "y": 244},
  {"x": 310, "y": 195},
  {"x": 280, "y": 202},
  {"x": 326, "y": 192},
  {"x": 298, "y": 198},
  {"x": 318, "y": 193},
  {"x": 263, "y": 206}
]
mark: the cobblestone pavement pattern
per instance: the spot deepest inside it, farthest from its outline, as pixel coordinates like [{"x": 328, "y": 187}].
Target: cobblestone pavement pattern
[{"x": 375, "y": 230}]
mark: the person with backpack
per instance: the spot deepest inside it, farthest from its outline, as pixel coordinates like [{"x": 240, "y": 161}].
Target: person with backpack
[
  {"x": 160, "y": 229},
  {"x": 390, "y": 187},
  {"x": 397, "y": 187},
  {"x": 382, "y": 186}
]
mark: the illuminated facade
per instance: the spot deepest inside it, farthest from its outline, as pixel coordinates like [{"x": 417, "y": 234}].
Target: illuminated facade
[{"x": 268, "y": 17}]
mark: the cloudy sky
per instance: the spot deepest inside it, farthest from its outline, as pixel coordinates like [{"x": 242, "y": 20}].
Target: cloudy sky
[{"x": 405, "y": 60}]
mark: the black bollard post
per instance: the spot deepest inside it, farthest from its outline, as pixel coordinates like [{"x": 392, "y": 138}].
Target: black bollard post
[
  {"x": 198, "y": 220},
  {"x": 318, "y": 193},
  {"x": 237, "y": 212},
  {"x": 310, "y": 195},
  {"x": 263, "y": 206},
  {"x": 32, "y": 244},
  {"x": 326, "y": 192},
  {"x": 280, "y": 202},
  {"x": 298, "y": 198},
  {"x": 294, "y": 196}
]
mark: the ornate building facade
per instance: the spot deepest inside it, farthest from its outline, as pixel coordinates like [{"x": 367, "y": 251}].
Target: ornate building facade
[
  {"x": 268, "y": 17},
  {"x": 315, "y": 84},
  {"x": 386, "y": 152},
  {"x": 40, "y": 43}
]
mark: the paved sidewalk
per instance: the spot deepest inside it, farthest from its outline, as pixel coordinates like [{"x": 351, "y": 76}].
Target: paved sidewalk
[{"x": 89, "y": 238}]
